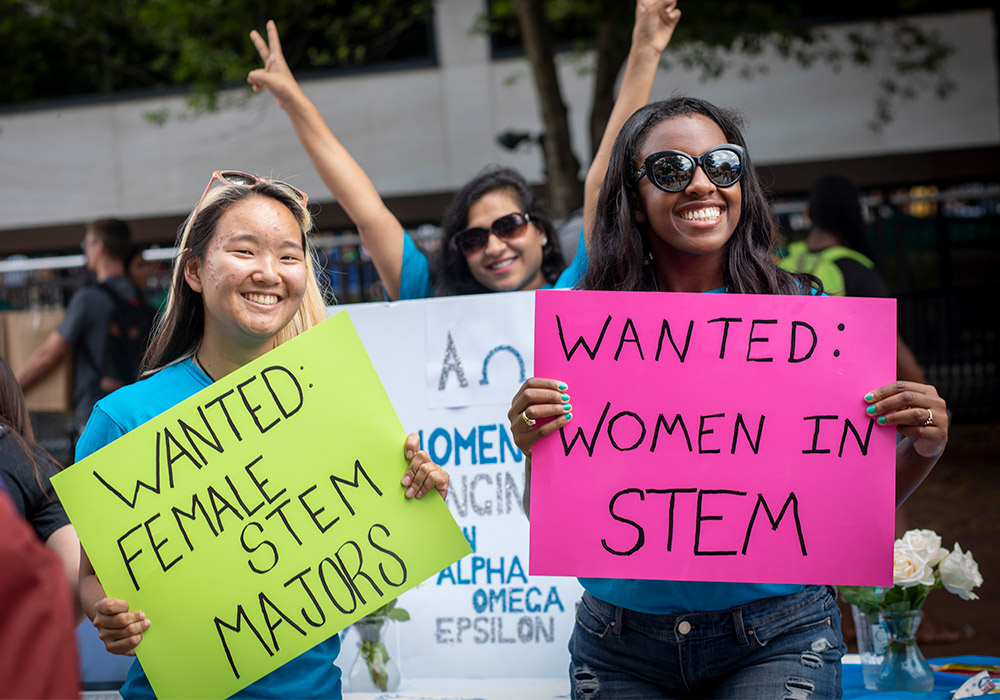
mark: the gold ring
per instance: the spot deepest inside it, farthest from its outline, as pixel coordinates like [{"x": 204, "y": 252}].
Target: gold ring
[
  {"x": 530, "y": 422},
  {"x": 930, "y": 418}
]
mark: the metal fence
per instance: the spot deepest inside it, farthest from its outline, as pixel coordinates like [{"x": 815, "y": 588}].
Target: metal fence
[{"x": 939, "y": 254}]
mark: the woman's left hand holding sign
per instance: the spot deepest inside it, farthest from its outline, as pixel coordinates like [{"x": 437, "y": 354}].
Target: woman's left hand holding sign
[
  {"x": 422, "y": 475},
  {"x": 120, "y": 630}
]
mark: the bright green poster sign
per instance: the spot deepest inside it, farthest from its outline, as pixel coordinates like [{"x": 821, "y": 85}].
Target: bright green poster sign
[{"x": 260, "y": 516}]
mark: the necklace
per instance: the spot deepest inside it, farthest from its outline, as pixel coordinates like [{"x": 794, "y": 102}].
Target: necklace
[{"x": 200, "y": 366}]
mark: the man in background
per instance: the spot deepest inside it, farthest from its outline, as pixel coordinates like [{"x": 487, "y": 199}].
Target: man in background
[{"x": 106, "y": 325}]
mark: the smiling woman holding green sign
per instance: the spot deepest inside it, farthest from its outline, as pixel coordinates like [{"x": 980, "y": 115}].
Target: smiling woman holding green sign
[
  {"x": 243, "y": 283},
  {"x": 681, "y": 209}
]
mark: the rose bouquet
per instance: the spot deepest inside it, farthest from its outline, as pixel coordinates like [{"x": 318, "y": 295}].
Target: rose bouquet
[{"x": 919, "y": 565}]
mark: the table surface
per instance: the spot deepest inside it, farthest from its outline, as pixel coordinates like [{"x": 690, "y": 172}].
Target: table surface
[
  {"x": 558, "y": 688},
  {"x": 944, "y": 683}
]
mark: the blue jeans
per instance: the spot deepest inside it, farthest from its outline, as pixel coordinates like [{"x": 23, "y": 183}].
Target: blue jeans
[{"x": 786, "y": 648}]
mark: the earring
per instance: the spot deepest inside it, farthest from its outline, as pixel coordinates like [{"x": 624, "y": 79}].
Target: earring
[
  {"x": 545, "y": 241},
  {"x": 647, "y": 259}
]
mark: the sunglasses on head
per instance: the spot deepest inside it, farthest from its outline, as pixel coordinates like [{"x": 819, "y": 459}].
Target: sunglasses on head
[
  {"x": 673, "y": 171},
  {"x": 511, "y": 226},
  {"x": 238, "y": 178}
]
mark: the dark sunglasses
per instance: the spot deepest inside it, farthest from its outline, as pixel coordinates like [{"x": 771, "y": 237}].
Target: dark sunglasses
[
  {"x": 672, "y": 171},
  {"x": 472, "y": 240}
]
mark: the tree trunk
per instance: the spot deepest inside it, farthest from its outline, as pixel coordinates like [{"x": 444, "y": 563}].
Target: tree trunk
[
  {"x": 611, "y": 50},
  {"x": 561, "y": 165}
]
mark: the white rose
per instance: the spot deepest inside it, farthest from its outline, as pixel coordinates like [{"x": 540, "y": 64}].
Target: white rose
[
  {"x": 960, "y": 574},
  {"x": 927, "y": 543},
  {"x": 910, "y": 567}
]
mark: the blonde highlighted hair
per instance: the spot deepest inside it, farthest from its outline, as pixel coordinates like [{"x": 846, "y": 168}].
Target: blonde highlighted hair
[{"x": 178, "y": 332}]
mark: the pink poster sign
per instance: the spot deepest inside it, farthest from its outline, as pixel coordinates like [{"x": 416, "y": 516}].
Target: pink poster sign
[{"x": 715, "y": 437}]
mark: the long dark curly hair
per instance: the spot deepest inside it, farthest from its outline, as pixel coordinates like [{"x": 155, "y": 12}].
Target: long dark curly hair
[
  {"x": 452, "y": 275},
  {"x": 618, "y": 246}
]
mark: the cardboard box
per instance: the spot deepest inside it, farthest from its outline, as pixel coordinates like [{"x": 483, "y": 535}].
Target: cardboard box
[{"x": 23, "y": 332}]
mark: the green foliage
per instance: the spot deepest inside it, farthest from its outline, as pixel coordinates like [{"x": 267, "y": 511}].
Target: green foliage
[
  {"x": 872, "y": 599},
  {"x": 61, "y": 48},
  {"x": 744, "y": 38},
  {"x": 391, "y": 611}
]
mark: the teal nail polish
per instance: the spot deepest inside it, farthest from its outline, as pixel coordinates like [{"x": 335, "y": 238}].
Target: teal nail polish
[
  {"x": 567, "y": 407},
  {"x": 568, "y": 416},
  {"x": 881, "y": 420},
  {"x": 869, "y": 397},
  {"x": 870, "y": 410},
  {"x": 565, "y": 397},
  {"x": 562, "y": 386}
]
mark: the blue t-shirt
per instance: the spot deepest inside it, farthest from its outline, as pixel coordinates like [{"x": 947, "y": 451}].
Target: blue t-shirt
[
  {"x": 311, "y": 674},
  {"x": 415, "y": 274},
  {"x": 572, "y": 275},
  {"x": 668, "y": 597}
]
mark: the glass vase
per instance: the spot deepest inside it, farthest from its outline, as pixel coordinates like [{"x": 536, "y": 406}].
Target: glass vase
[
  {"x": 904, "y": 667},
  {"x": 871, "y": 638},
  {"x": 373, "y": 670}
]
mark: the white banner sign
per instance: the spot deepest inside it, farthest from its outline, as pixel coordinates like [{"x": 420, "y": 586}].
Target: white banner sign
[{"x": 451, "y": 367}]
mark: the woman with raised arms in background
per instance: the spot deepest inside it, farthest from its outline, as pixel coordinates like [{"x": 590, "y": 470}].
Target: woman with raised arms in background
[
  {"x": 682, "y": 210},
  {"x": 243, "y": 283},
  {"x": 497, "y": 236}
]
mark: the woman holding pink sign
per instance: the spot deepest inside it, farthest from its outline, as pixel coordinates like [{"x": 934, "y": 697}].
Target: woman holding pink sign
[
  {"x": 682, "y": 210},
  {"x": 243, "y": 283}
]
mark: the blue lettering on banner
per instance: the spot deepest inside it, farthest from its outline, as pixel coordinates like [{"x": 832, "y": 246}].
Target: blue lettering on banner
[
  {"x": 470, "y": 536},
  {"x": 482, "y": 570},
  {"x": 468, "y": 442},
  {"x": 479, "y": 446},
  {"x": 516, "y": 600},
  {"x": 520, "y": 362}
]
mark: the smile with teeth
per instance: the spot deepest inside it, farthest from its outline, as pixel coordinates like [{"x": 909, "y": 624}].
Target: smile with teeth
[
  {"x": 499, "y": 264},
  {"x": 265, "y": 299},
  {"x": 706, "y": 214}
]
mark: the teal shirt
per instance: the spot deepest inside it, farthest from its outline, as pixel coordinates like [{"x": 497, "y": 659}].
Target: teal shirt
[{"x": 311, "y": 674}]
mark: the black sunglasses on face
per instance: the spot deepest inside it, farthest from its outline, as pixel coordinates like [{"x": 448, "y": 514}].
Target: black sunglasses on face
[
  {"x": 673, "y": 171},
  {"x": 472, "y": 240}
]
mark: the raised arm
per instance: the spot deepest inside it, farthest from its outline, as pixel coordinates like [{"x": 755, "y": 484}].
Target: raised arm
[
  {"x": 380, "y": 230},
  {"x": 654, "y": 25}
]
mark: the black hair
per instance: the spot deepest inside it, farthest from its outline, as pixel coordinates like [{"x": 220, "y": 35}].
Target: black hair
[
  {"x": 618, "y": 247},
  {"x": 452, "y": 275},
  {"x": 115, "y": 235},
  {"x": 16, "y": 421},
  {"x": 834, "y": 206}
]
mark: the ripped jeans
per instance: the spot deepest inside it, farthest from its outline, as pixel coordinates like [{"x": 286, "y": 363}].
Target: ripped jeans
[{"x": 785, "y": 648}]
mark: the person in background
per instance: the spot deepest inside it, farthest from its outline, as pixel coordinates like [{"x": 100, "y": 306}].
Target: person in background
[
  {"x": 85, "y": 327},
  {"x": 683, "y": 210},
  {"x": 38, "y": 656},
  {"x": 497, "y": 235},
  {"x": 243, "y": 283},
  {"x": 836, "y": 250},
  {"x": 25, "y": 469},
  {"x": 138, "y": 269}
]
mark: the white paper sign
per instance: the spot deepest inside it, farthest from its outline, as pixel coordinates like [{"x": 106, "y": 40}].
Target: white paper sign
[
  {"x": 483, "y": 617},
  {"x": 479, "y": 356}
]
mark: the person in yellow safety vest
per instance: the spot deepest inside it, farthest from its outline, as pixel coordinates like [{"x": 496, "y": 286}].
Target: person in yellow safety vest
[{"x": 836, "y": 251}]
